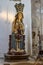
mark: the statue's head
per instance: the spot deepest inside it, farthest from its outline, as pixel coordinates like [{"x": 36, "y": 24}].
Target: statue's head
[
  {"x": 19, "y": 8},
  {"x": 19, "y": 16}
]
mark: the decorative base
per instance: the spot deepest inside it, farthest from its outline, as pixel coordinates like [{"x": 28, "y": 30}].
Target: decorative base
[{"x": 9, "y": 57}]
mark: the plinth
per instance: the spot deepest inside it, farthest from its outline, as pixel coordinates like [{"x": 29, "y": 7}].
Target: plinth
[{"x": 11, "y": 58}]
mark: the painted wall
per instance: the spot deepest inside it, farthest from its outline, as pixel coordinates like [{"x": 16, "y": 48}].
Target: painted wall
[{"x": 7, "y": 13}]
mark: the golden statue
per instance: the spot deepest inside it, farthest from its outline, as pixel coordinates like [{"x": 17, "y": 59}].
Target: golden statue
[
  {"x": 18, "y": 33},
  {"x": 17, "y": 38},
  {"x": 18, "y": 23}
]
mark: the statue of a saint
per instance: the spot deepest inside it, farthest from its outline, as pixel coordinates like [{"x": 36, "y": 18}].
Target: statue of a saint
[
  {"x": 17, "y": 41},
  {"x": 17, "y": 38}
]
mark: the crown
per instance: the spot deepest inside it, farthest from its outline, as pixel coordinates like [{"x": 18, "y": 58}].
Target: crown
[{"x": 19, "y": 7}]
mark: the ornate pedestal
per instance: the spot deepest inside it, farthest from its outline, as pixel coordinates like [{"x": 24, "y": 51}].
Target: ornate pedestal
[{"x": 16, "y": 57}]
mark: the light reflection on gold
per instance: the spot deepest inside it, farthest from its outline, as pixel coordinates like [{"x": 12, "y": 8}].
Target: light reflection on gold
[{"x": 4, "y": 15}]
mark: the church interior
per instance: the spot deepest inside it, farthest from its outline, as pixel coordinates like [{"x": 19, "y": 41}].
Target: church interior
[{"x": 21, "y": 32}]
